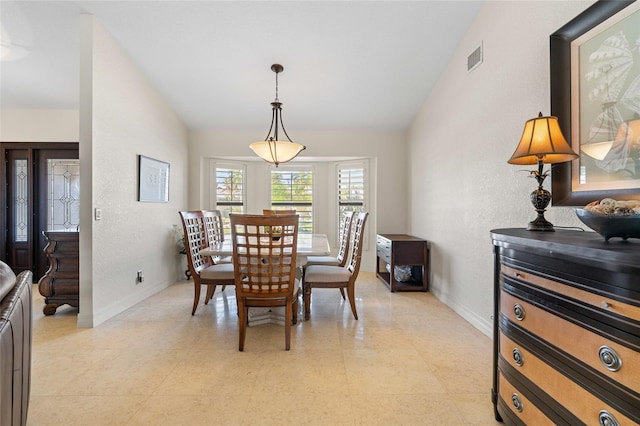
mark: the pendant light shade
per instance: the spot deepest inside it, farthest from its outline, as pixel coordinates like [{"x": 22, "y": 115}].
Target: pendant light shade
[
  {"x": 273, "y": 149},
  {"x": 276, "y": 152}
]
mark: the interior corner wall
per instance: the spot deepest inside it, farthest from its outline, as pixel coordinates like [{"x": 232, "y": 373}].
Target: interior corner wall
[
  {"x": 121, "y": 117},
  {"x": 459, "y": 144}
]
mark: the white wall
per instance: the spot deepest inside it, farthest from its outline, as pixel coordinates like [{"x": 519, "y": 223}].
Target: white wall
[
  {"x": 459, "y": 144},
  {"x": 122, "y": 116},
  {"x": 22, "y": 125},
  {"x": 387, "y": 153}
]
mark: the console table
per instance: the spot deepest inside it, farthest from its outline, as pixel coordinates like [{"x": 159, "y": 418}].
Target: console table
[
  {"x": 60, "y": 284},
  {"x": 401, "y": 249},
  {"x": 566, "y": 328}
]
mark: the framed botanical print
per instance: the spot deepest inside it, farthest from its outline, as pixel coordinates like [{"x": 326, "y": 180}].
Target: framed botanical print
[
  {"x": 153, "y": 180},
  {"x": 595, "y": 93}
]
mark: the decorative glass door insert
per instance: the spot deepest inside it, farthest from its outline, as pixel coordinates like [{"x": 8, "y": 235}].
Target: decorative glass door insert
[{"x": 63, "y": 194}]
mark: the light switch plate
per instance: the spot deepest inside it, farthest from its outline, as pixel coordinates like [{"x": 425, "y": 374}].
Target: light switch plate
[{"x": 98, "y": 213}]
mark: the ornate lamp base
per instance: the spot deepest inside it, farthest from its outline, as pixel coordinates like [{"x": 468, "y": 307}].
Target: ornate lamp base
[
  {"x": 540, "y": 224},
  {"x": 540, "y": 198}
]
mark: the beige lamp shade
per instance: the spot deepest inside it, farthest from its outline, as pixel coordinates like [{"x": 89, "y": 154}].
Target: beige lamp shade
[
  {"x": 542, "y": 141},
  {"x": 276, "y": 152}
]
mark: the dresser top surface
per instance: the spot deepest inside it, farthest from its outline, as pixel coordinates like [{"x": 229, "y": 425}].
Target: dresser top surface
[
  {"x": 581, "y": 244},
  {"x": 400, "y": 237}
]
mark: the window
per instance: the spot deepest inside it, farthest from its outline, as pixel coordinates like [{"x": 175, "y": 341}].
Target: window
[
  {"x": 351, "y": 191},
  {"x": 293, "y": 190},
  {"x": 230, "y": 191}
]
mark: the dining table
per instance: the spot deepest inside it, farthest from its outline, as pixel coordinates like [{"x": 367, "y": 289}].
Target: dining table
[{"x": 308, "y": 245}]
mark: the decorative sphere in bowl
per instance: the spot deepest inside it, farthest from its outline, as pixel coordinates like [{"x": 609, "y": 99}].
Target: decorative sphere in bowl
[{"x": 611, "y": 225}]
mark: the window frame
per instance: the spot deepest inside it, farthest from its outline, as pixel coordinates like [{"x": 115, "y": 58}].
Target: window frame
[
  {"x": 297, "y": 167},
  {"x": 362, "y": 164},
  {"x": 231, "y": 165}
]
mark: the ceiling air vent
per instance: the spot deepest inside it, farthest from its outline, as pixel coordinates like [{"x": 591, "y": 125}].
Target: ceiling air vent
[{"x": 475, "y": 59}]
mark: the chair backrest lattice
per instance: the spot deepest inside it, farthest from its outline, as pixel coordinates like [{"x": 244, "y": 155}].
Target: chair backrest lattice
[
  {"x": 195, "y": 239},
  {"x": 358, "y": 240},
  {"x": 346, "y": 237},
  {"x": 264, "y": 253},
  {"x": 213, "y": 226}
]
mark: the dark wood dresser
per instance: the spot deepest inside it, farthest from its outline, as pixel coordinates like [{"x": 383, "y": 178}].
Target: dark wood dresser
[
  {"x": 566, "y": 328},
  {"x": 406, "y": 250},
  {"x": 60, "y": 284}
]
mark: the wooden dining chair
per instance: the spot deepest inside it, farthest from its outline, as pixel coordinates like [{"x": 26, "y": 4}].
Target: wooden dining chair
[
  {"x": 264, "y": 263},
  {"x": 215, "y": 235},
  {"x": 215, "y": 232},
  {"x": 202, "y": 268},
  {"x": 341, "y": 258},
  {"x": 324, "y": 276}
]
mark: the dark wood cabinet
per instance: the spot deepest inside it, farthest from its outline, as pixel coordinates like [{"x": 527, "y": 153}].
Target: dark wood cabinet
[
  {"x": 60, "y": 284},
  {"x": 566, "y": 328},
  {"x": 403, "y": 250}
]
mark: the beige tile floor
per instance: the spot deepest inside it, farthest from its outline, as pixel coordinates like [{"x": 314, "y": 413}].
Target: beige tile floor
[{"x": 409, "y": 360}]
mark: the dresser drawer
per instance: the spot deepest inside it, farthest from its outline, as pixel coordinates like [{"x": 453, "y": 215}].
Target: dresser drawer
[
  {"x": 583, "y": 344},
  {"x": 520, "y": 405},
  {"x": 568, "y": 304},
  {"x": 588, "y": 298},
  {"x": 584, "y": 405},
  {"x": 384, "y": 254},
  {"x": 383, "y": 249}
]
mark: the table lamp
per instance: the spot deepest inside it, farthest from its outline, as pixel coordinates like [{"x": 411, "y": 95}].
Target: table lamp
[{"x": 541, "y": 143}]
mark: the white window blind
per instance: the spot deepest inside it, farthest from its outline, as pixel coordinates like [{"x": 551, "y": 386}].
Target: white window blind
[{"x": 351, "y": 191}]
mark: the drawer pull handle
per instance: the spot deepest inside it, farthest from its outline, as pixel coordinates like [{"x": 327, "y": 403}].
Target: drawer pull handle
[
  {"x": 610, "y": 358},
  {"x": 518, "y": 358},
  {"x": 518, "y": 274},
  {"x": 517, "y": 402},
  {"x": 518, "y": 310},
  {"x": 605, "y": 305},
  {"x": 607, "y": 419}
]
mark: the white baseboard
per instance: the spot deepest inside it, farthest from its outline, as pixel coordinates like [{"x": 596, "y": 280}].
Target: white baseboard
[
  {"x": 484, "y": 325},
  {"x": 104, "y": 313}
]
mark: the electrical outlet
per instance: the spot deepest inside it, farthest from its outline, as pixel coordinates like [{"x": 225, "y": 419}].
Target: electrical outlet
[{"x": 140, "y": 277}]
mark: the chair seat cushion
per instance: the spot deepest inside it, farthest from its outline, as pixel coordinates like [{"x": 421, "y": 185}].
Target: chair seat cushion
[
  {"x": 223, "y": 271},
  {"x": 222, "y": 259},
  {"x": 322, "y": 260},
  {"x": 326, "y": 274}
]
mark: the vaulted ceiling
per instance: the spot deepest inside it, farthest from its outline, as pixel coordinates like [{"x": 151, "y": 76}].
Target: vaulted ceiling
[{"x": 347, "y": 64}]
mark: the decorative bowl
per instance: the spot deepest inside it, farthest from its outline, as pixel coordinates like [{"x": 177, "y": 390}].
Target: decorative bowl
[{"x": 610, "y": 226}]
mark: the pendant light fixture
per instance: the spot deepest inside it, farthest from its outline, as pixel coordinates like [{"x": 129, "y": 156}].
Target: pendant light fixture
[{"x": 272, "y": 149}]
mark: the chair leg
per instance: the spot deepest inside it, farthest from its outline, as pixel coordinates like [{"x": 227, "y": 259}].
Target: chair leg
[
  {"x": 242, "y": 324},
  {"x": 196, "y": 296},
  {"x": 211, "y": 289},
  {"x": 306, "y": 296},
  {"x": 287, "y": 325},
  {"x": 294, "y": 305},
  {"x": 342, "y": 293},
  {"x": 352, "y": 300}
]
